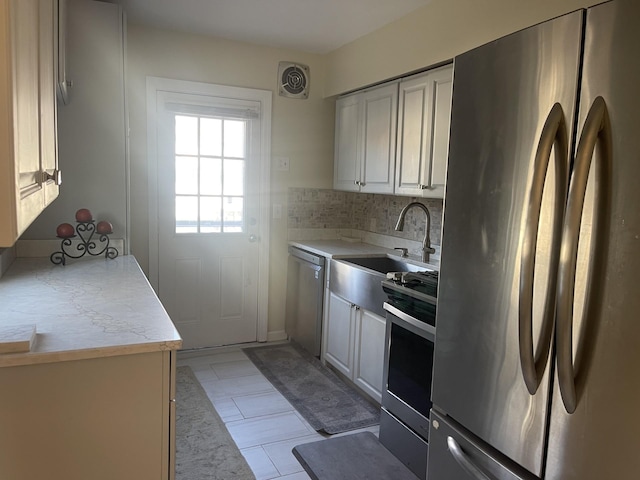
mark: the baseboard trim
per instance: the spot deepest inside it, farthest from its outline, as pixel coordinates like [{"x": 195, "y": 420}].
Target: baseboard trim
[{"x": 276, "y": 336}]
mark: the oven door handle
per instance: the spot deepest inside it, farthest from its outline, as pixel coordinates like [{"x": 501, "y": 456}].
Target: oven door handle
[{"x": 430, "y": 330}]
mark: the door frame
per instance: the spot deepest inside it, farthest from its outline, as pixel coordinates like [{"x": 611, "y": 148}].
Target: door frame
[{"x": 158, "y": 84}]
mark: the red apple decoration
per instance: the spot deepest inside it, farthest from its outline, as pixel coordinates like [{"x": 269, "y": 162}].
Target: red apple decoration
[
  {"x": 104, "y": 227},
  {"x": 84, "y": 215},
  {"x": 65, "y": 230}
]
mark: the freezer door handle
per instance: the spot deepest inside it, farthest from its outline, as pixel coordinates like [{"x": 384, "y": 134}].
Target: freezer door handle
[
  {"x": 464, "y": 461},
  {"x": 596, "y": 132},
  {"x": 554, "y": 135}
]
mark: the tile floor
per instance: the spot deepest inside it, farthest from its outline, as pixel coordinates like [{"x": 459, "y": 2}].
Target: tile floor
[{"x": 261, "y": 421}]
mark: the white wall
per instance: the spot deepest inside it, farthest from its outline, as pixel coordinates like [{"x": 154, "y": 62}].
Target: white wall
[
  {"x": 433, "y": 34},
  {"x": 301, "y": 129},
  {"x": 91, "y": 129}
]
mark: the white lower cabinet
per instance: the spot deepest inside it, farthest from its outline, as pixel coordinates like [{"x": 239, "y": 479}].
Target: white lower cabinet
[
  {"x": 369, "y": 353},
  {"x": 355, "y": 344},
  {"x": 340, "y": 334}
]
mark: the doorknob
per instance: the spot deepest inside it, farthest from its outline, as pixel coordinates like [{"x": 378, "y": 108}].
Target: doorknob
[{"x": 253, "y": 238}]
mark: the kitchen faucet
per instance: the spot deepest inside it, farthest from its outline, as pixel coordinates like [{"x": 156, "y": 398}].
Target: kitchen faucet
[{"x": 426, "y": 243}]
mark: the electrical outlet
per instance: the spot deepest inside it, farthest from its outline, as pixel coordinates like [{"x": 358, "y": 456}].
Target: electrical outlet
[{"x": 282, "y": 163}]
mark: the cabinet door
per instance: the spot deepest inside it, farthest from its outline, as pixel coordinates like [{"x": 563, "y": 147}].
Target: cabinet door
[
  {"x": 369, "y": 353},
  {"x": 340, "y": 334},
  {"x": 101, "y": 419},
  {"x": 48, "y": 127},
  {"x": 379, "y": 119},
  {"x": 26, "y": 110},
  {"x": 346, "y": 170},
  {"x": 423, "y": 133},
  {"x": 27, "y": 113},
  {"x": 442, "y": 81}
]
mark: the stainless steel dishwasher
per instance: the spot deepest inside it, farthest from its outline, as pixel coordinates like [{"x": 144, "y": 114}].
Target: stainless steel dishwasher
[{"x": 305, "y": 288}]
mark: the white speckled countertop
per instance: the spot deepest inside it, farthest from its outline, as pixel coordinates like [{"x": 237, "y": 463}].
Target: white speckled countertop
[
  {"x": 342, "y": 249},
  {"x": 86, "y": 309}
]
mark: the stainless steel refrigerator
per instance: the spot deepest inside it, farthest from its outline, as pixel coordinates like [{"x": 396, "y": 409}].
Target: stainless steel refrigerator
[{"x": 537, "y": 358}]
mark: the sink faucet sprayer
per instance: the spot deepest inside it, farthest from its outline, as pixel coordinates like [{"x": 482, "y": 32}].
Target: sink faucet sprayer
[{"x": 426, "y": 243}]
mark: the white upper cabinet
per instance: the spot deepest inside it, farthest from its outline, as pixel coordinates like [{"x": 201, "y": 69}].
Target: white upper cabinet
[
  {"x": 423, "y": 133},
  {"x": 366, "y": 140},
  {"x": 28, "y": 149},
  {"x": 346, "y": 171}
]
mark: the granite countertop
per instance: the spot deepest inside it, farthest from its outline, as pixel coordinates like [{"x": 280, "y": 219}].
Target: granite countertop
[
  {"x": 337, "y": 249},
  {"x": 86, "y": 309}
]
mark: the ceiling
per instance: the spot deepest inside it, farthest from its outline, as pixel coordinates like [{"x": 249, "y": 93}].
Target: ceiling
[{"x": 315, "y": 26}]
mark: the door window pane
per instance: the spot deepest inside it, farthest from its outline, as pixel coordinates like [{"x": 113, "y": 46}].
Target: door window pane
[
  {"x": 234, "y": 177},
  {"x": 234, "y": 138},
  {"x": 210, "y": 167},
  {"x": 186, "y": 214},
  {"x": 187, "y": 175},
  {"x": 233, "y": 213},
  {"x": 210, "y": 176},
  {"x": 210, "y": 214},
  {"x": 211, "y": 137},
  {"x": 186, "y": 135}
]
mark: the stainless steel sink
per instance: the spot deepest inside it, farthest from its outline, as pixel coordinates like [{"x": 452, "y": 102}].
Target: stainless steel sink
[
  {"x": 358, "y": 279},
  {"x": 384, "y": 264}
]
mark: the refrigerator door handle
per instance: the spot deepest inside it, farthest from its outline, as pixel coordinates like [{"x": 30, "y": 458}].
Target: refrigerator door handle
[
  {"x": 464, "y": 461},
  {"x": 554, "y": 135},
  {"x": 596, "y": 131}
]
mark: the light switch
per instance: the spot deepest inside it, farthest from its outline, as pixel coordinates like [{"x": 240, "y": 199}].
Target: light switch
[{"x": 277, "y": 210}]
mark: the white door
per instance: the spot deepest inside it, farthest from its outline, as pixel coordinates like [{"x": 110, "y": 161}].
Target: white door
[{"x": 208, "y": 215}]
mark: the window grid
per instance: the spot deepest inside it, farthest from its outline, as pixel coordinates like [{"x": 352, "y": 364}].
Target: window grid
[{"x": 191, "y": 216}]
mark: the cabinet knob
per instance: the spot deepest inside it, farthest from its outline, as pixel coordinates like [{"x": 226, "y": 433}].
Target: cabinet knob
[
  {"x": 422, "y": 187},
  {"x": 56, "y": 176}
]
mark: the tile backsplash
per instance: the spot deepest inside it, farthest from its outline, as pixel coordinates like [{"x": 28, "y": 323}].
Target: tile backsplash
[{"x": 311, "y": 208}]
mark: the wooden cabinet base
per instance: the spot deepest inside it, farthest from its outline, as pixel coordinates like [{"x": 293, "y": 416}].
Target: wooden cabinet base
[{"x": 104, "y": 418}]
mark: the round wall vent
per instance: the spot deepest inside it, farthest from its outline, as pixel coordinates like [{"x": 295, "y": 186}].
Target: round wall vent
[{"x": 293, "y": 80}]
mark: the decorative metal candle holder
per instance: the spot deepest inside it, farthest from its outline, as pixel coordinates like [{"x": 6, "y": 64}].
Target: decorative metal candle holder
[{"x": 87, "y": 245}]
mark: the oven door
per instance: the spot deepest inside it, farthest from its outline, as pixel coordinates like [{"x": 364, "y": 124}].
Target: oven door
[{"x": 408, "y": 369}]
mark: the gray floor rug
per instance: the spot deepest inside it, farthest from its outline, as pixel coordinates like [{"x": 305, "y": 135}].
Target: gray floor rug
[
  {"x": 204, "y": 447},
  {"x": 358, "y": 456},
  {"x": 323, "y": 399}
]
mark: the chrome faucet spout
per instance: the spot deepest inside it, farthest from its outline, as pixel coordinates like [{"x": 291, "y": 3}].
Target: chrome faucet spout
[{"x": 426, "y": 242}]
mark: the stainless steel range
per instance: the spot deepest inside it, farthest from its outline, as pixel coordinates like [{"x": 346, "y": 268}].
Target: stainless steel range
[{"x": 410, "y": 342}]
